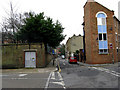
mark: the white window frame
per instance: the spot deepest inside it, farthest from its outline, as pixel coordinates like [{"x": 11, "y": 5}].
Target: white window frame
[
  {"x": 103, "y": 51},
  {"x": 99, "y": 22}
]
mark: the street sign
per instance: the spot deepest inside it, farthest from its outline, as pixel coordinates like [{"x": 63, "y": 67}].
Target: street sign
[
  {"x": 53, "y": 52},
  {"x": 111, "y": 46}
]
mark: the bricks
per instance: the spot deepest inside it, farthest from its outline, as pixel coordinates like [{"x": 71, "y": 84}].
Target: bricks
[{"x": 91, "y": 34}]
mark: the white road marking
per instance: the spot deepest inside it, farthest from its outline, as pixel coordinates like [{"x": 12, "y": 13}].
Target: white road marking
[
  {"x": 21, "y": 75},
  {"x": 107, "y": 71},
  {"x": 47, "y": 83},
  {"x": 63, "y": 63},
  {"x": 53, "y": 75},
  {"x": 3, "y": 75},
  {"x": 18, "y": 78},
  {"x": 62, "y": 82},
  {"x": 60, "y": 76}
]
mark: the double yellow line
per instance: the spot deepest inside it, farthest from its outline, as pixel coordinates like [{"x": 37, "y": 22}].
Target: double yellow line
[{"x": 59, "y": 66}]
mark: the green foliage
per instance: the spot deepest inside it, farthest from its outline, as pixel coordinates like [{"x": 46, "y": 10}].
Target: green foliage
[
  {"x": 38, "y": 28},
  {"x": 62, "y": 49},
  {"x": 77, "y": 51}
]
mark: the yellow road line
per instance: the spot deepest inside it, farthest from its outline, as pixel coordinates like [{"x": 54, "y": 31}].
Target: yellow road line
[{"x": 59, "y": 67}]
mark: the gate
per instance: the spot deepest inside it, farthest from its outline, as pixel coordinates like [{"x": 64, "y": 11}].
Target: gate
[{"x": 30, "y": 59}]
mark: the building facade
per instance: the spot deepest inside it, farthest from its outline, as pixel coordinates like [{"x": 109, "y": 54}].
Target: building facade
[
  {"x": 117, "y": 37},
  {"x": 74, "y": 43},
  {"x": 101, "y": 36}
]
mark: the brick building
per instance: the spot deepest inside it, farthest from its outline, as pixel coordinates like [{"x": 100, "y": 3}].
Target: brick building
[
  {"x": 100, "y": 31},
  {"x": 117, "y": 36}
]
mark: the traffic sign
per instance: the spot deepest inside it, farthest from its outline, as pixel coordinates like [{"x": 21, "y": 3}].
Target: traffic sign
[
  {"x": 111, "y": 46},
  {"x": 53, "y": 52}
]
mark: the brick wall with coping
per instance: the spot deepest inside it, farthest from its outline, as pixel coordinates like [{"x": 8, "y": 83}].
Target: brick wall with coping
[{"x": 13, "y": 56}]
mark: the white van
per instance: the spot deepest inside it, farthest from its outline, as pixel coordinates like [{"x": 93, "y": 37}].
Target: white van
[{"x": 63, "y": 57}]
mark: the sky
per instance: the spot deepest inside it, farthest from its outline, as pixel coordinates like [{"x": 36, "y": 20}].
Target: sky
[{"x": 68, "y": 12}]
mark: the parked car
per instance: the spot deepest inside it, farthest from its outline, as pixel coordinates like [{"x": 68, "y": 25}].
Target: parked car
[
  {"x": 72, "y": 60},
  {"x": 63, "y": 57}
]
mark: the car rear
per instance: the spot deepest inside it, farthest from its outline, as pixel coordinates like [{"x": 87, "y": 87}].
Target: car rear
[{"x": 72, "y": 60}]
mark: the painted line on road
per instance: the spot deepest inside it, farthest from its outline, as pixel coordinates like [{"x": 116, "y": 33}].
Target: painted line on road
[
  {"x": 107, "y": 71},
  {"x": 47, "y": 83},
  {"x": 62, "y": 82},
  {"x": 53, "y": 75},
  {"x": 25, "y": 78},
  {"x": 3, "y": 75},
  {"x": 18, "y": 78},
  {"x": 21, "y": 75},
  {"x": 59, "y": 67},
  {"x": 63, "y": 63},
  {"x": 60, "y": 76}
]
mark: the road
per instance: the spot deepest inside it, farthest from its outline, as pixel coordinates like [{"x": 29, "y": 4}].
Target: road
[
  {"x": 26, "y": 78},
  {"x": 72, "y": 76},
  {"x": 80, "y": 76}
]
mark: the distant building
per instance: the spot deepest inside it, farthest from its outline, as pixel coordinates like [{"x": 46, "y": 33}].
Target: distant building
[
  {"x": 101, "y": 34},
  {"x": 7, "y": 37},
  {"x": 74, "y": 43},
  {"x": 117, "y": 36}
]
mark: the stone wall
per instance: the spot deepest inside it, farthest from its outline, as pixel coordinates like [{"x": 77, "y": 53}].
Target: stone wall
[{"x": 13, "y": 56}]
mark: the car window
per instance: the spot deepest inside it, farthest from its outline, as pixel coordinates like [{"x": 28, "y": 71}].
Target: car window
[{"x": 72, "y": 57}]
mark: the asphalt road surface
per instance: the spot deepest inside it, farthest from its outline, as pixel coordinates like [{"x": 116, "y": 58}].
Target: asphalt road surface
[
  {"x": 80, "y": 76},
  {"x": 69, "y": 76}
]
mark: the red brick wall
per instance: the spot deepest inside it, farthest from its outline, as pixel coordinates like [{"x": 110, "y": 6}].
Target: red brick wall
[
  {"x": 117, "y": 27},
  {"x": 119, "y": 43},
  {"x": 87, "y": 32},
  {"x": 91, "y": 33}
]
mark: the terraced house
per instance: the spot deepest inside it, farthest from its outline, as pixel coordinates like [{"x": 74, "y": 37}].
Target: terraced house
[
  {"x": 101, "y": 33},
  {"x": 74, "y": 43}
]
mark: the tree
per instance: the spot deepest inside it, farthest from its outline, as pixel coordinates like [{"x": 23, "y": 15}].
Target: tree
[
  {"x": 41, "y": 29},
  {"x": 62, "y": 49},
  {"x": 11, "y": 24}
]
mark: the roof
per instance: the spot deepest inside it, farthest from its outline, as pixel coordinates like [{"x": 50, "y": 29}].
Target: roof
[
  {"x": 72, "y": 37},
  {"x": 99, "y": 4},
  {"x": 116, "y": 18}
]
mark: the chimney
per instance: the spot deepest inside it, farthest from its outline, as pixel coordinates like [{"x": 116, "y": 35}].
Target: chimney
[
  {"x": 112, "y": 12},
  {"x": 90, "y": 1}
]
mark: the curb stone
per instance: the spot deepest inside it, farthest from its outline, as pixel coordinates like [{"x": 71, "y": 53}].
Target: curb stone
[{"x": 97, "y": 65}]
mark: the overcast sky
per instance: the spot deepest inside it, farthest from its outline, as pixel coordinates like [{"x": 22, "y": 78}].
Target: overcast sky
[{"x": 68, "y": 12}]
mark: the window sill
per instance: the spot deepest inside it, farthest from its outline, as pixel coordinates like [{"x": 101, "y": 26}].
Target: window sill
[{"x": 104, "y": 53}]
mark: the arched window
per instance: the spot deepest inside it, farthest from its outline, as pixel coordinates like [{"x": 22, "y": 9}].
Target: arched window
[{"x": 102, "y": 32}]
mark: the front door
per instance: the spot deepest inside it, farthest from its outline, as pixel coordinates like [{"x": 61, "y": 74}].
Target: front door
[{"x": 30, "y": 59}]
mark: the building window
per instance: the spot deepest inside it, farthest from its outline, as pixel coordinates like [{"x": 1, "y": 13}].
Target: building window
[
  {"x": 119, "y": 39},
  {"x": 100, "y": 36},
  {"x": 105, "y": 36},
  {"x": 117, "y": 49},
  {"x": 102, "y": 32},
  {"x": 116, "y": 36},
  {"x": 103, "y": 51}
]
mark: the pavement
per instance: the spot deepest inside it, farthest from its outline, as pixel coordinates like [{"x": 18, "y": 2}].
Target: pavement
[
  {"x": 49, "y": 68},
  {"x": 99, "y": 65}
]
